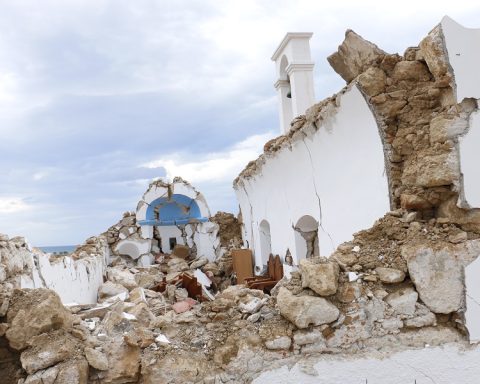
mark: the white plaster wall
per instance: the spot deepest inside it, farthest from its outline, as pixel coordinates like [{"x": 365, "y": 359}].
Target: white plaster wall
[
  {"x": 470, "y": 160},
  {"x": 167, "y": 232},
  {"x": 463, "y": 47},
  {"x": 201, "y": 235},
  {"x": 133, "y": 248},
  {"x": 472, "y": 296},
  {"x": 336, "y": 176},
  {"x": 75, "y": 281},
  {"x": 440, "y": 365},
  {"x": 206, "y": 240}
]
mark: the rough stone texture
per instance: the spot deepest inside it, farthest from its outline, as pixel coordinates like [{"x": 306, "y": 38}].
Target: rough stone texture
[
  {"x": 73, "y": 372},
  {"x": 96, "y": 359},
  {"x": 390, "y": 275},
  {"x": 229, "y": 229},
  {"x": 109, "y": 289},
  {"x": 175, "y": 368},
  {"x": 47, "y": 350},
  {"x": 354, "y": 56},
  {"x": 306, "y": 310},
  {"x": 34, "y": 312},
  {"x": 282, "y": 342},
  {"x": 421, "y": 321},
  {"x": 403, "y": 301},
  {"x": 373, "y": 81},
  {"x": 123, "y": 362},
  {"x": 240, "y": 333},
  {"x": 432, "y": 170},
  {"x": 320, "y": 276},
  {"x": 438, "y": 277},
  {"x": 122, "y": 277},
  {"x": 433, "y": 51}
]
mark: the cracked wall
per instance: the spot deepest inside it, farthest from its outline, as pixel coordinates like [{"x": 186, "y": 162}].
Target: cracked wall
[
  {"x": 424, "y": 106},
  {"x": 330, "y": 166},
  {"x": 76, "y": 278},
  {"x": 168, "y": 214}
]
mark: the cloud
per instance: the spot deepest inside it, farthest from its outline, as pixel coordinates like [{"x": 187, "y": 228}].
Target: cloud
[
  {"x": 212, "y": 167},
  {"x": 90, "y": 90},
  {"x": 13, "y": 205}
]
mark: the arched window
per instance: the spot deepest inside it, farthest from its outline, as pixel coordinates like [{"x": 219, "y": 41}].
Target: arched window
[
  {"x": 265, "y": 241},
  {"x": 306, "y": 238}
]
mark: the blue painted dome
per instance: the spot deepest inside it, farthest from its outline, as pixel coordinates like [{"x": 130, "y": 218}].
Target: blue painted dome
[{"x": 173, "y": 210}]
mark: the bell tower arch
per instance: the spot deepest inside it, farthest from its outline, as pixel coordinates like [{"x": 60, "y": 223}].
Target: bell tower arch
[{"x": 294, "y": 67}]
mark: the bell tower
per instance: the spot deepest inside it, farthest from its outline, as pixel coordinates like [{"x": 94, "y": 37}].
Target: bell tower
[{"x": 294, "y": 66}]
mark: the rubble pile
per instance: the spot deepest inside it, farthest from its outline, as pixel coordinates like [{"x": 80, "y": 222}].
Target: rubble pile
[
  {"x": 126, "y": 228},
  {"x": 397, "y": 285},
  {"x": 230, "y": 230},
  {"x": 388, "y": 289}
]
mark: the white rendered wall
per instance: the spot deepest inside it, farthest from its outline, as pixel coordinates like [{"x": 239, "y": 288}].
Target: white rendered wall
[
  {"x": 336, "y": 176},
  {"x": 206, "y": 240},
  {"x": 470, "y": 161},
  {"x": 75, "y": 281},
  {"x": 440, "y": 365},
  {"x": 472, "y": 289},
  {"x": 294, "y": 68},
  {"x": 463, "y": 47},
  {"x": 167, "y": 232}
]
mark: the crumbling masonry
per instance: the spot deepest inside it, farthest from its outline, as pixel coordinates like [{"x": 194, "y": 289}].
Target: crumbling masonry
[{"x": 395, "y": 303}]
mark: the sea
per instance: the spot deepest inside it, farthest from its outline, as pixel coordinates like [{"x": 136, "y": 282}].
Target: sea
[{"x": 58, "y": 249}]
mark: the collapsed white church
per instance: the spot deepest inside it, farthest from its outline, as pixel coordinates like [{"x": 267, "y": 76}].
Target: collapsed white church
[{"x": 371, "y": 199}]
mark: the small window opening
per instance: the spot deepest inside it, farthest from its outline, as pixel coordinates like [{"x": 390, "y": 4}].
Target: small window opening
[{"x": 172, "y": 241}]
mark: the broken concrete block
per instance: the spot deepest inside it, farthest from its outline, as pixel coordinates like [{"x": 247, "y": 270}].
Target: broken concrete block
[
  {"x": 320, "y": 277},
  {"x": 348, "y": 292},
  {"x": 282, "y": 342},
  {"x": 372, "y": 81},
  {"x": 34, "y": 312},
  {"x": 411, "y": 70},
  {"x": 252, "y": 306},
  {"x": 390, "y": 275},
  {"x": 47, "y": 376},
  {"x": 110, "y": 289},
  {"x": 459, "y": 237},
  {"x": 302, "y": 337},
  {"x": 183, "y": 306},
  {"x": 181, "y": 251},
  {"x": 432, "y": 170},
  {"x": 177, "y": 264},
  {"x": 133, "y": 247},
  {"x": 48, "y": 349},
  {"x": 123, "y": 362},
  {"x": 123, "y": 277},
  {"x": 305, "y": 310},
  {"x": 434, "y": 52},
  {"x": 199, "y": 263},
  {"x": 96, "y": 359},
  {"x": 438, "y": 277},
  {"x": 74, "y": 371},
  {"x": 354, "y": 56},
  {"x": 403, "y": 301},
  {"x": 421, "y": 321}
]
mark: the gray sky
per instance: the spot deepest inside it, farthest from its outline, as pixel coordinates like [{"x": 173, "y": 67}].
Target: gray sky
[{"x": 98, "y": 97}]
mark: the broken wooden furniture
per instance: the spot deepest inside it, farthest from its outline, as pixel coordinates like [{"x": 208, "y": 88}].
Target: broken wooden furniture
[
  {"x": 187, "y": 281},
  {"x": 242, "y": 264},
  {"x": 268, "y": 281}
]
